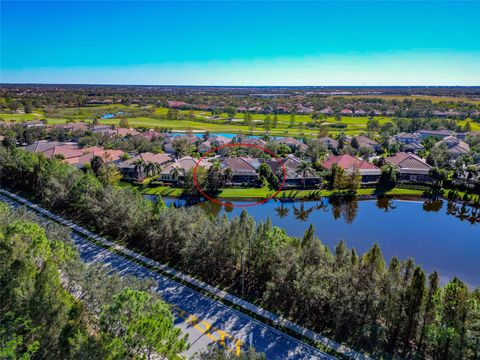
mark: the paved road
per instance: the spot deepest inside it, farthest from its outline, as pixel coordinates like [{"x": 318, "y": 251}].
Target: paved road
[{"x": 205, "y": 321}]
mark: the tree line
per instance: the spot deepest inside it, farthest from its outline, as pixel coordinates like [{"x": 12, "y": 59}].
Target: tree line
[{"x": 384, "y": 309}]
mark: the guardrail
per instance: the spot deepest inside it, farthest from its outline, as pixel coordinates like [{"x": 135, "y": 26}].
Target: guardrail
[{"x": 276, "y": 319}]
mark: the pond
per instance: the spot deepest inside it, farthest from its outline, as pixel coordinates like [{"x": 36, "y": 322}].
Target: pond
[{"x": 438, "y": 235}]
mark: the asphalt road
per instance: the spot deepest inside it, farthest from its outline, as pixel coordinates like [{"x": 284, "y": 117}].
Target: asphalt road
[{"x": 205, "y": 320}]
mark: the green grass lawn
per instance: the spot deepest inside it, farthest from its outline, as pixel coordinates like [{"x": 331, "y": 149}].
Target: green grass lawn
[
  {"x": 264, "y": 192},
  {"x": 137, "y": 118}
]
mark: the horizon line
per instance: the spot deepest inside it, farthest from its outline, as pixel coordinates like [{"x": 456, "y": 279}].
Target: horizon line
[{"x": 241, "y": 86}]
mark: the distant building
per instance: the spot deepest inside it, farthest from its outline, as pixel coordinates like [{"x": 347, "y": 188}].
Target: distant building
[{"x": 346, "y": 112}]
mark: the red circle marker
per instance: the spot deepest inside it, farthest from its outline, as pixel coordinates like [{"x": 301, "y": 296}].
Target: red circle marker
[{"x": 239, "y": 205}]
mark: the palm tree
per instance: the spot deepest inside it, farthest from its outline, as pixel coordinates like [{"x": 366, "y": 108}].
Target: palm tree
[
  {"x": 140, "y": 166},
  {"x": 176, "y": 172},
  {"x": 303, "y": 168},
  {"x": 152, "y": 168}
]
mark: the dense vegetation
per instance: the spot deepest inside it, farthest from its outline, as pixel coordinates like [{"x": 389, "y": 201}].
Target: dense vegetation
[
  {"x": 360, "y": 300},
  {"x": 54, "y": 306}
]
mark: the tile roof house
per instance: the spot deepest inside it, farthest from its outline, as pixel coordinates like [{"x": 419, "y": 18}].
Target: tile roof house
[
  {"x": 408, "y": 138},
  {"x": 365, "y": 142},
  {"x": 69, "y": 151},
  {"x": 369, "y": 172},
  {"x": 254, "y": 141},
  {"x": 106, "y": 155},
  {"x": 244, "y": 169},
  {"x": 183, "y": 165},
  {"x": 213, "y": 142},
  {"x": 347, "y": 112},
  {"x": 329, "y": 143},
  {"x": 292, "y": 143},
  {"x": 439, "y": 134},
  {"x": 413, "y": 148},
  {"x": 122, "y": 132},
  {"x": 326, "y": 111},
  {"x": 151, "y": 134},
  {"x": 411, "y": 167},
  {"x": 131, "y": 171},
  {"x": 455, "y": 147},
  {"x": 73, "y": 126},
  {"x": 360, "y": 112},
  {"x": 410, "y": 142},
  {"x": 293, "y": 178},
  {"x": 104, "y": 130}
]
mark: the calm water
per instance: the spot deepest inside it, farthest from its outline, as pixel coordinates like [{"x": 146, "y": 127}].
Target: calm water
[{"x": 437, "y": 235}]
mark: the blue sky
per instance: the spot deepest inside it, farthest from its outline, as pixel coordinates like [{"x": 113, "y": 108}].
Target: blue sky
[{"x": 242, "y": 43}]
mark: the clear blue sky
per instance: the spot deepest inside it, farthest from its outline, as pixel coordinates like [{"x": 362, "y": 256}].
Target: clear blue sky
[{"x": 242, "y": 43}]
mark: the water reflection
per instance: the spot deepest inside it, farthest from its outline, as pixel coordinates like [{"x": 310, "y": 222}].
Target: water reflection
[
  {"x": 386, "y": 203},
  {"x": 439, "y": 234},
  {"x": 301, "y": 213},
  {"x": 344, "y": 207},
  {"x": 282, "y": 210}
]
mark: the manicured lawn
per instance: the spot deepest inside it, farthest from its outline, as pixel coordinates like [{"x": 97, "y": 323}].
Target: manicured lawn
[
  {"x": 137, "y": 118},
  {"x": 263, "y": 193},
  {"x": 474, "y": 125}
]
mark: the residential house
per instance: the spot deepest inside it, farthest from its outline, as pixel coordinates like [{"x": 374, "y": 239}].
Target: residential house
[
  {"x": 408, "y": 138},
  {"x": 72, "y": 126},
  {"x": 410, "y": 167},
  {"x": 122, "y": 132},
  {"x": 455, "y": 146},
  {"x": 438, "y": 134},
  {"x": 346, "y": 112},
  {"x": 326, "y": 111},
  {"x": 104, "y": 130},
  {"x": 292, "y": 143},
  {"x": 110, "y": 156},
  {"x": 365, "y": 142},
  {"x": 33, "y": 123},
  {"x": 293, "y": 177},
  {"x": 131, "y": 171},
  {"x": 176, "y": 171},
  {"x": 68, "y": 151},
  {"x": 152, "y": 134},
  {"x": 369, "y": 172},
  {"x": 360, "y": 112},
  {"x": 410, "y": 142},
  {"x": 213, "y": 142},
  {"x": 244, "y": 170},
  {"x": 329, "y": 143},
  {"x": 254, "y": 141}
]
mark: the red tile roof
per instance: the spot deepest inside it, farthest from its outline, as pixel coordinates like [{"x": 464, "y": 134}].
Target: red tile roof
[{"x": 347, "y": 162}]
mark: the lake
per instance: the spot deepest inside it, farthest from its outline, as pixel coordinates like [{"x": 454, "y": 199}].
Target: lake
[{"x": 438, "y": 235}]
